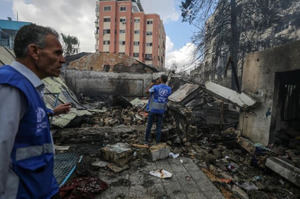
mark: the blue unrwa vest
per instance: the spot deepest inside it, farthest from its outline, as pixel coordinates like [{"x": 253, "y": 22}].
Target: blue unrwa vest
[
  {"x": 32, "y": 155},
  {"x": 159, "y": 98}
]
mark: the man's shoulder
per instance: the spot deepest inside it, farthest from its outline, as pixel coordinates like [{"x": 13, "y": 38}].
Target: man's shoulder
[{"x": 8, "y": 70}]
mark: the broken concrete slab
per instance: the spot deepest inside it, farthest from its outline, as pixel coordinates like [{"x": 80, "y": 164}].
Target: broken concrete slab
[
  {"x": 184, "y": 91},
  {"x": 64, "y": 120},
  {"x": 240, "y": 99},
  {"x": 140, "y": 103},
  {"x": 284, "y": 169},
  {"x": 160, "y": 151},
  {"x": 100, "y": 164},
  {"x": 122, "y": 129},
  {"x": 119, "y": 153},
  {"x": 116, "y": 168}
]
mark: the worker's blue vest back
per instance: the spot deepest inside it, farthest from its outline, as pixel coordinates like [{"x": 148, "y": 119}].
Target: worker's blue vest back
[
  {"x": 33, "y": 154},
  {"x": 159, "y": 99}
]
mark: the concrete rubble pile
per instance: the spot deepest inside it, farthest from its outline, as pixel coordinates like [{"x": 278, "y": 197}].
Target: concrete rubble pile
[
  {"x": 110, "y": 141},
  {"x": 200, "y": 125},
  {"x": 195, "y": 109}
]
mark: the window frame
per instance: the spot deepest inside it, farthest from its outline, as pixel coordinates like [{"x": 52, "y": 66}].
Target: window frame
[
  {"x": 106, "y": 31},
  {"x": 148, "y": 22},
  {"x": 123, "y": 7},
  {"x": 105, "y": 18},
  {"x": 106, "y": 42},
  {"x": 105, "y": 8},
  {"x": 123, "y": 43}
]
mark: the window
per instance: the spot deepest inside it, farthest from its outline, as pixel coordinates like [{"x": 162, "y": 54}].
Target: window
[
  {"x": 122, "y": 31},
  {"x": 136, "y": 20},
  {"x": 149, "y": 22},
  {"x": 106, "y": 19},
  {"x": 136, "y": 43},
  {"x": 123, "y": 8},
  {"x": 107, "y": 8},
  {"x": 136, "y": 32},
  {"x": 148, "y": 44},
  {"x": 106, "y": 42},
  {"x": 136, "y": 54},
  {"x": 122, "y": 43},
  {"x": 148, "y": 33},
  {"x": 148, "y": 56},
  {"x": 106, "y": 31},
  {"x": 123, "y": 20}
]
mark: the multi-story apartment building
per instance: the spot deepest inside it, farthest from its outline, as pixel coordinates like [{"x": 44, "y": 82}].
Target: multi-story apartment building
[{"x": 123, "y": 27}]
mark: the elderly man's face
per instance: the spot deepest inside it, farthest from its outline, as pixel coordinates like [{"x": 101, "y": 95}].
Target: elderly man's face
[{"x": 50, "y": 58}]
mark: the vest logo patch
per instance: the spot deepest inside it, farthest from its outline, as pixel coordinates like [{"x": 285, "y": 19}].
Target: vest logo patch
[
  {"x": 163, "y": 92},
  {"x": 40, "y": 114}
]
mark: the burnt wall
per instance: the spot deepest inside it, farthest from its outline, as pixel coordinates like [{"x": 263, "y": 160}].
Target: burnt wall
[
  {"x": 259, "y": 81},
  {"x": 96, "y": 84}
]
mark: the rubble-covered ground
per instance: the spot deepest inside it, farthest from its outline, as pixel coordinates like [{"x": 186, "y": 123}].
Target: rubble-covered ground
[{"x": 234, "y": 171}]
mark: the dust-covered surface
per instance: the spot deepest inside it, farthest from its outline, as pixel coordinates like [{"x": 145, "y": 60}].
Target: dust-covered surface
[{"x": 209, "y": 150}]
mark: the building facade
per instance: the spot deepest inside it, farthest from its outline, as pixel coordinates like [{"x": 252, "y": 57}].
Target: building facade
[
  {"x": 123, "y": 27},
  {"x": 8, "y": 31}
]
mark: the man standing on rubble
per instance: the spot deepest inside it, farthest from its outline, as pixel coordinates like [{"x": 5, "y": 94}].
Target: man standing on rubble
[
  {"x": 157, "y": 106},
  {"x": 26, "y": 146}
]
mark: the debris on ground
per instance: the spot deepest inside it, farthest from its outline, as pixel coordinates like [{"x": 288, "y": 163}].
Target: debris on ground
[
  {"x": 199, "y": 126},
  {"x": 161, "y": 173},
  {"x": 160, "y": 151},
  {"x": 83, "y": 188}
]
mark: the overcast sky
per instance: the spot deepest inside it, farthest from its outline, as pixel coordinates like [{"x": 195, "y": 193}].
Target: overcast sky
[{"x": 77, "y": 17}]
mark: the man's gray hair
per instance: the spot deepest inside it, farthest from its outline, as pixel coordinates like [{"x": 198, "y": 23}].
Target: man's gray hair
[{"x": 31, "y": 34}]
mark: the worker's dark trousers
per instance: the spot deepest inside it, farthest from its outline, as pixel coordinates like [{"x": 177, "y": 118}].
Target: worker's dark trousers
[{"x": 159, "y": 118}]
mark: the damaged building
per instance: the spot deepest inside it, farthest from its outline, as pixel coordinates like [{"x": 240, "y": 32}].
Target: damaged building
[
  {"x": 218, "y": 143},
  {"x": 99, "y": 74}
]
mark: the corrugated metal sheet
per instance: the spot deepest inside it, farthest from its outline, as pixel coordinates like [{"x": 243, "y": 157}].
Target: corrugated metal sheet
[
  {"x": 53, "y": 86},
  {"x": 6, "y": 56}
]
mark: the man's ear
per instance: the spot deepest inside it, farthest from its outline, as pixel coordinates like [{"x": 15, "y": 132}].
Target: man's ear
[{"x": 33, "y": 51}]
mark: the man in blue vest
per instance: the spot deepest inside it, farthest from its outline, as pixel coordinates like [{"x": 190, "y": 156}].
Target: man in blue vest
[
  {"x": 26, "y": 146},
  {"x": 157, "y": 106}
]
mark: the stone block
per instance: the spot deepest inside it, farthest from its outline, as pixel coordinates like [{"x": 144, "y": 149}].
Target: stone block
[
  {"x": 159, "y": 151},
  {"x": 119, "y": 153},
  {"x": 284, "y": 169}
]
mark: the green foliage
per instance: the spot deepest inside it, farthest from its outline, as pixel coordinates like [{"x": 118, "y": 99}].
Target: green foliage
[{"x": 70, "y": 44}]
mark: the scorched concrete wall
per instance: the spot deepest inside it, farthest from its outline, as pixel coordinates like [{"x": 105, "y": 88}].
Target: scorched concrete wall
[
  {"x": 259, "y": 82},
  {"x": 95, "y": 84}
]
